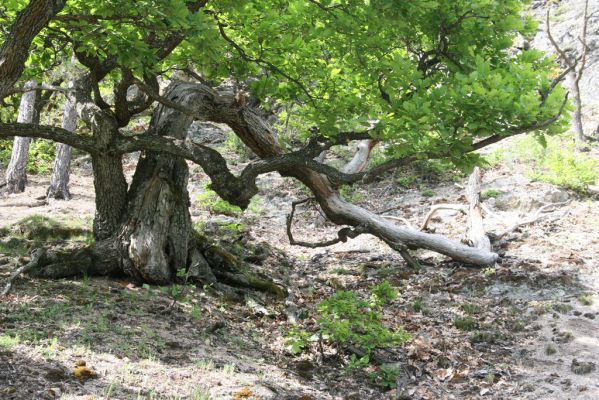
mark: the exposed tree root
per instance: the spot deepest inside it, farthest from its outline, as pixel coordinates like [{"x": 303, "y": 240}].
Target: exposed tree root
[{"x": 208, "y": 264}]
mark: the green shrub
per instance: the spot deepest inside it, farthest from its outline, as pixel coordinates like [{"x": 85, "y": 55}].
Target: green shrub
[
  {"x": 41, "y": 156},
  {"x": 490, "y": 193},
  {"x": 350, "y": 321},
  {"x": 555, "y": 161},
  {"x": 428, "y": 193}
]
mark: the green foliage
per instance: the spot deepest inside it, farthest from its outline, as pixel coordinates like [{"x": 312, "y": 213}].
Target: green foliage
[
  {"x": 348, "y": 320},
  {"x": 351, "y": 194},
  {"x": 385, "y": 376},
  {"x": 428, "y": 193},
  {"x": 235, "y": 145},
  {"x": 436, "y": 75},
  {"x": 555, "y": 161},
  {"x": 8, "y": 341},
  {"x": 465, "y": 324},
  {"x": 209, "y": 200},
  {"x": 586, "y": 299},
  {"x": 41, "y": 155},
  {"x": 297, "y": 340},
  {"x": 490, "y": 193}
]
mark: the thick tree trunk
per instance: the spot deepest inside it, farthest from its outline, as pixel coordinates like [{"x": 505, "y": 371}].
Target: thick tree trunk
[
  {"x": 16, "y": 173},
  {"x": 59, "y": 184}
]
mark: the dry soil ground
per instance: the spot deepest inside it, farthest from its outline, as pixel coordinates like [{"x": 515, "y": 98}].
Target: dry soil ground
[{"x": 525, "y": 329}]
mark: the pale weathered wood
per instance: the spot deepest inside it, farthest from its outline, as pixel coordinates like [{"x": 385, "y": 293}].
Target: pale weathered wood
[
  {"x": 476, "y": 232},
  {"x": 59, "y": 183},
  {"x": 16, "y": 173}
]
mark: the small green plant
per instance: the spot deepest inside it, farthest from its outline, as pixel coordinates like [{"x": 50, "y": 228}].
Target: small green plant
[
  {"x": 562, "y": 308},
  {"x": 490, "y": 193},
  {"x": 419, "y": 305},
  {"x": 8, "y": 342},
  {"x": 385, "y": 376},
  {"x": 490, "y": 377},
  {"x": 200, "y": 394},
  {"x": 205, "y": 365},
  {"x": 550, "y": 349},
  {"x": 428, "y": 193},
  {"x": 489, "y": 272},
  {"x": 554, "y": 160},
  {"x": 41, "y": 156},
  {"x": 355, "y": 362},
  {"x": 405, "y": 181},
  {"x": 229, "y": 369},
  {"x": 196, "y": 312},
  {"x": 518, "y": 326},
  {"x": 469, "y": 309},
  {"x": 585, "y": 299},
  {"x": 350, "y": 194},
  {"x": 297, "y": 340},
  {"x": 465, "y": 324}
]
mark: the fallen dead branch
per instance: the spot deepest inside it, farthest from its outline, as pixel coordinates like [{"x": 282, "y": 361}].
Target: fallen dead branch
[
  {"x": 35, "y": 258},
  {"x": 540, "y": 213},
  {"x": 438, "y": 207}
]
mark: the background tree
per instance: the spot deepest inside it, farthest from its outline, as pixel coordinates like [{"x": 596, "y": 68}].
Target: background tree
[
  {"x": 574, "y": 67},
  {"x": 29, "y": 112},
  {"x": 423, "y": 80},
  {"x": 59, "y": 183}
]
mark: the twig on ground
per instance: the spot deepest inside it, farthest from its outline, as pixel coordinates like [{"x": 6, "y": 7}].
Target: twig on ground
[{"x": 35, "y": 258}]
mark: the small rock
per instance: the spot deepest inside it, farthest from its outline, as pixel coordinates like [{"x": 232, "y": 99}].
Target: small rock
[
  {"x": 582, "y": 367},
  {"x": 577, "y": 313},
  {"x": 589, "y": 315}
]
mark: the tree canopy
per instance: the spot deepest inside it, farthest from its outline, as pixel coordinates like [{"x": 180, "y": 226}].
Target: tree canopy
[{"x": 425, "y": 79}]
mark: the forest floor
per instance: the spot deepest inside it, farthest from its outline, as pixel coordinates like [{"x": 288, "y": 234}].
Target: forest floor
[{"x": 525, "y": 329}]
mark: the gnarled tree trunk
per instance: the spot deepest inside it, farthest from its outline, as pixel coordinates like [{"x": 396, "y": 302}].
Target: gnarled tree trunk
[
  {"x": 59, "y": 184},
  {"x": 16, "y": 173}
]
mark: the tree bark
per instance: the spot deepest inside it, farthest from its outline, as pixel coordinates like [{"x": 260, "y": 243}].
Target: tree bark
[
  {"x": 109, "y": 179},
  {"x": 16, "y": 172},
  {"x": 59, "y": 184},
  {"x": 15, "y": 50},
  {"x": 577, "y": 113}
]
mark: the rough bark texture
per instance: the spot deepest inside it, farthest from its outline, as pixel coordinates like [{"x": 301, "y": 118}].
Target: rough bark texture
[
  {"x": 109, "y": 180},
  {"x": 16, "y": 174},
  {"x": 156, "y": 236},
  {"x": 15, "y": 50},
  {"x": 59, "y": 184}
]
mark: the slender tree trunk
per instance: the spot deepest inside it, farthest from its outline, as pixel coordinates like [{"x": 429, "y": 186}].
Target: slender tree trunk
[
  {"x": 577, "y": 114},
  {"x": 59, "y": 184},
  {"x": 16, "y": 174}
]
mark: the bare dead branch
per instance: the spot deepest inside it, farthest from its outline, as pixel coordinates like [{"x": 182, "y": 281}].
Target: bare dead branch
[
  {"x": 342, "y": 235},
  {"x": 438, "y": 207},
  {"x": 534, "y": 218},
  {"x": 35, "y": 259},
  {"x": 400, "y": 219}
]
